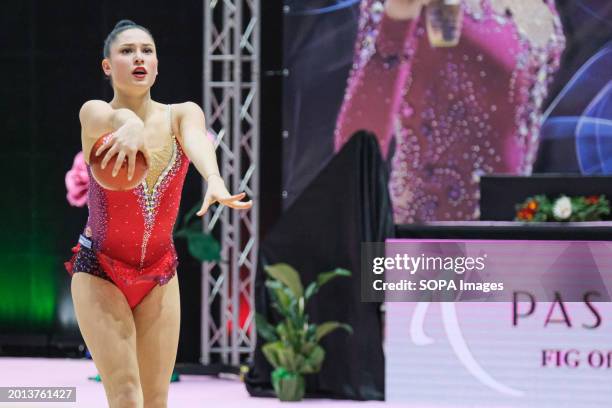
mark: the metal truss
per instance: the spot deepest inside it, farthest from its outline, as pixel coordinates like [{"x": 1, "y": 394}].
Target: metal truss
[{"x": 231, "y": 106}]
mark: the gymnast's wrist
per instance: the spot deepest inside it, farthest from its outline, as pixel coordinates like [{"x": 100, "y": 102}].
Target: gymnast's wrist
[
  {"x": 133, "y": 127},
  {"x": 214, "y": 176},
  {"x": 403, "y": 10},
  {"x": 125, "y": 117}
]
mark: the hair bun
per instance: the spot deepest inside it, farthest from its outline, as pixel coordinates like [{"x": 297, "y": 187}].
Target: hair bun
[
  {"x": 124, "y": 23},
  {"x": 121, "y": 26}
]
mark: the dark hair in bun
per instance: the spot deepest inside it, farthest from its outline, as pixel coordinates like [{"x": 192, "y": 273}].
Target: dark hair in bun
[
  {"x": 124, "y": 23},
  {"x": 120, "y": 27}
]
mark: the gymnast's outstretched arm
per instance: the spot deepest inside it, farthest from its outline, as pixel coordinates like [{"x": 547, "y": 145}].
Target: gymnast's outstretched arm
[
  {"x": 201, "y": 152},
  {"x": 376, "y": 84}
]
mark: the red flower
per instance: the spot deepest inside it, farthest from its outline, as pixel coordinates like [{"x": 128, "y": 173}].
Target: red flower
[
  {"x": 591, "y": 200},
  {"x": 525, "y": 214}
]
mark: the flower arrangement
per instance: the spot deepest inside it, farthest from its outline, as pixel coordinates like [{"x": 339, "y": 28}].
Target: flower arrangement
[
  {"x": 540, "y": 208},
  {"x": 77, "y": 182}
]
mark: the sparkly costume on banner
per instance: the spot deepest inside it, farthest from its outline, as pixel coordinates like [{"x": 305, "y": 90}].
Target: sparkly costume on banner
[
  {"x": 128, "y": 236},
  {"x": 455, "y": 113}
]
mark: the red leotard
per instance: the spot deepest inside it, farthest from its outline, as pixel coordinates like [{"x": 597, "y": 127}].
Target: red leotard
[{"x": 131, "y": 231}]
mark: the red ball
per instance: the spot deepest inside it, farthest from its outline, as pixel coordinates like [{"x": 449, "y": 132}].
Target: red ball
[{"x": 120, "y": 182}]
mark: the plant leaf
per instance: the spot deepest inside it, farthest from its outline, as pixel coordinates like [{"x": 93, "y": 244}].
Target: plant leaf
[
  {"x": 287, "y": 358},
  {"x": 325, "y": 277},
  {"x": 191, "y": 213},
  {"x": 194, "y": 227},
  {"x": 311, "y": 289},
  {"x": 324, "y": 329},
  {"x": 272, "y": 353},
  {"x": 265, "y": 329},
  {"x": 182, "y": 233},
  {"x": 203, "y": 247},
  {"x": 313, "y": 361},
  {"x": 299, "y": 363},
  {"x": 282, "y": 331},
  {"x": 310, "y": 335},
  {"x": 281, "y": 297},
  {"x": 288, "y": 276},
  {"x": 307, "y": 347}
]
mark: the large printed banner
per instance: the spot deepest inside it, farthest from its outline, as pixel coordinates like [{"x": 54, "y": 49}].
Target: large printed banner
[
  {"x": 526, "y": 352},
  {"x": 320, "y": 45},
  {"x": 486, "y": 270}
]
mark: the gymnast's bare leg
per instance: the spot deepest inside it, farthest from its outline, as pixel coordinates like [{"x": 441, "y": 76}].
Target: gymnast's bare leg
[
  {"x": 157, "y": 320},
  {"x": 107, "y": 325}
]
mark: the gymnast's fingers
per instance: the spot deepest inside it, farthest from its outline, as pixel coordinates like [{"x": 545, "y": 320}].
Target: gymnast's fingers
[
  {"x": 240, "y": 205},
  {"x": 118, "y": 162},
  {"x": 107, "y": 143},
  {"x": 131, "y": 165},
  {"x": 207, "y": 202},
  {"x": 109, "y": 155},
  {"x": 235, "y": 197}
]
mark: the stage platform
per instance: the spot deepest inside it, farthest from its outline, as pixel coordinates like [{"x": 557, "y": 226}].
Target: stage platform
[{"x": 190, "y": 392}]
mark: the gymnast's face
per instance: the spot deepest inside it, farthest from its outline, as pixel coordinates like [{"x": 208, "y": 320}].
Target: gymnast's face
[{"x": 132, "y": 64}]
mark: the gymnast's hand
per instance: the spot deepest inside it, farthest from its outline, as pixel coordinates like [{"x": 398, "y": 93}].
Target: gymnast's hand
[
  {"x": 404, "y": 9},
  {"x": 217, "y": 192},
  {"x": 126, "y": 141}
]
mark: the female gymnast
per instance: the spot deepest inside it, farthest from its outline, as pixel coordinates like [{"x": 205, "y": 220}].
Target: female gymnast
[{"x": 126, "y": 296}]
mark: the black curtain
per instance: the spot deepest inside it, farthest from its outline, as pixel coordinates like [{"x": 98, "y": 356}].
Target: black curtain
[
  {"x": 346, "y": 204},
  {"x": 317, "y": 56}
]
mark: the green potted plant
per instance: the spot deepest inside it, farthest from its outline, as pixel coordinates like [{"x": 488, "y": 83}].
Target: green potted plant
[{"x": 292, "y": 346}]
